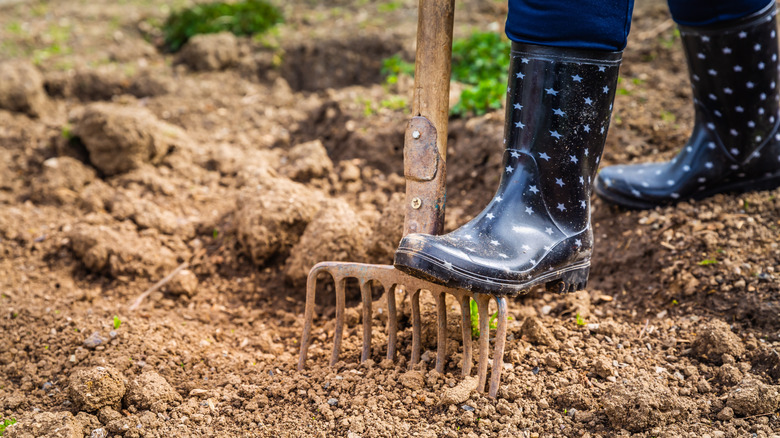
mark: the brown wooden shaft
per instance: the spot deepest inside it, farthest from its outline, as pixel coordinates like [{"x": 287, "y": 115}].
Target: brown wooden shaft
[{"x": 433, "y": 66}]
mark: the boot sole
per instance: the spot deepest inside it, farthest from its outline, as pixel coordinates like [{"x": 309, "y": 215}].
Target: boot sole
[
  {"x": 746, "y": 186},
  {"x": 570, "y": 278}
]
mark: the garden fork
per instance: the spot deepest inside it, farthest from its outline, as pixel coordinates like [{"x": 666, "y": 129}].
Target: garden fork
[{"x": 425, "y": 149}]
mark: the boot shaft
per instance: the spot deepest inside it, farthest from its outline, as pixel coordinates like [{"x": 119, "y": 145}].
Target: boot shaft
[
  {"x": 733, "y": 69},
  {"x": 557, "y": 114}
]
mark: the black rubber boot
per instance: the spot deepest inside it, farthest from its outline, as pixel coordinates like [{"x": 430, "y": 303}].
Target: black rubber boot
[
  {"x": 537, "y": 227},
  {"x": 735, "y": 144}
]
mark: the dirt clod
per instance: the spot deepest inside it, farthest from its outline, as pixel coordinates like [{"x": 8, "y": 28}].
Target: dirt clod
[
  {"x": 93, "y": 388},
  {"x": 413, "y": 380},
  {"x": 536, "y": 333},
  {"x": 46, "y": 425},
  {"x": 714, "y": 340},
  {"x": 308, "y": 160},
  {"x": 753, "y": 397},
  {"x": 120, "y": 138},
  {"x": 21, "y": 88},
  {"x": 61, "y": 180},
  {"x": 120, "y": 251},
  {"x": 637, "y": 407},
  {"x": 210, "y": 52},
  {"x": 151, "y": 391},
  {"x": 337, "y": 233},
  {"x": 460, "y": 392},
  {"x": 271, "y": 220}
]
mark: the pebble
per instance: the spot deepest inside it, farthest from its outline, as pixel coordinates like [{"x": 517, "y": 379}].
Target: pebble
[
  {"x": 47, "y": 386},
  {"x": 333, "y": 401},
  {"x": 93, "y": 340},
  {"x": 468, "y": 408},
  {"x": 113, "y": 334}
]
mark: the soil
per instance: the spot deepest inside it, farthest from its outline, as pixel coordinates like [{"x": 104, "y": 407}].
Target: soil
[{"x": 250, "y": 161}]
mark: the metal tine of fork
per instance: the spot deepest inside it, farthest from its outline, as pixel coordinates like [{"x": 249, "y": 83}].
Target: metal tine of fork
[
  {"x": 416, "y": 329},
  {"x": 338, "y": 333},
  {"x": 498, "y": 347},
  {"x": 308, "y": 316},
  {"x": 441, "y": 331},
  {"x": 365, "y": 293},
  {"x": 483, "y": 301},
  {"x": 465, "y": 327},
  {"x": 392, "y": 321}
]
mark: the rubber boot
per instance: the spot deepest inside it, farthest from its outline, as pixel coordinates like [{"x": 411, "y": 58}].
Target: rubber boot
[
  {"x": 536, "y": 230},
  {"x": 735, "y": 144}
]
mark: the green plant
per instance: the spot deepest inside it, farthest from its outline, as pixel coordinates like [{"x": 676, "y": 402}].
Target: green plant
[
  {"x": 707, "y": 262},
  {"x": 474, "y": 318},
  {"x": 580, "y": 321},
  {"x": 395, "y": 66},
  {"x": 243, "y": 18},
  {"x": 389, "y": 6},
  {"x": 481, "y": 60},
  {"x": 5, "y": 423},
  {"x": 668, "y": 117},
  {"x": 117, "y": 322},
  {"x": 492, "y": 322}
]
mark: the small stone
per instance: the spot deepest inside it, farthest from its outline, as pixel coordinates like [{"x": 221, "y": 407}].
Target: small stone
[
  {"x": 460, "y": 392},
  {"x": 333, "y": 401},
  {"x": 93, "y": 340},
  {"x": 98, "y": 433},
  {"x": 185, "y": 283},
  {"x": 467, "y": 408},
  {"x": 726, "y": 414},
  {"x": 198, "y": 392},
  {"x": 113, "y": 334}
]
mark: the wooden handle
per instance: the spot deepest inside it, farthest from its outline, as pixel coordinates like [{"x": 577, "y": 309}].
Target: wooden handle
[
  {"x": 425, "y": 144},
  {"x": 433, "y": 65}
]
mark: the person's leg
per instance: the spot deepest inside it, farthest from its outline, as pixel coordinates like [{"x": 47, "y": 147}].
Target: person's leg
[
  {"x": 735, "y": 144},
  {"x": 700, "y": 13},
  {"x": 583, "y": 24},
  {"x": 536, "y": 230}
]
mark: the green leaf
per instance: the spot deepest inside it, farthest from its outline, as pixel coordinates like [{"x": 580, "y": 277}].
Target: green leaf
[
  {"x": 117, "y": 322},
  {"x": 243, "y": 18}
]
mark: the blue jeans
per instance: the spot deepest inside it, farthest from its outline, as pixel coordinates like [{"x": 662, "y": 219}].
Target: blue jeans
[{"x": 604, "y": 24}]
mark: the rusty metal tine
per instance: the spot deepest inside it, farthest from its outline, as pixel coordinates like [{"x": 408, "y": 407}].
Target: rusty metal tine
[
  {"x": 416, "y": 329},
  {"x": 483, "y": 301},
  {"x": 465, "y": 328},
  {"x": 308, "y": 315},
  {"x": 365, "y": 292},
  {"x": 498, "y": 347},
  {"x": 341, "y": 284},
  {"x": 441, "y": 331},
  {"x": 392, "y": 321}
]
